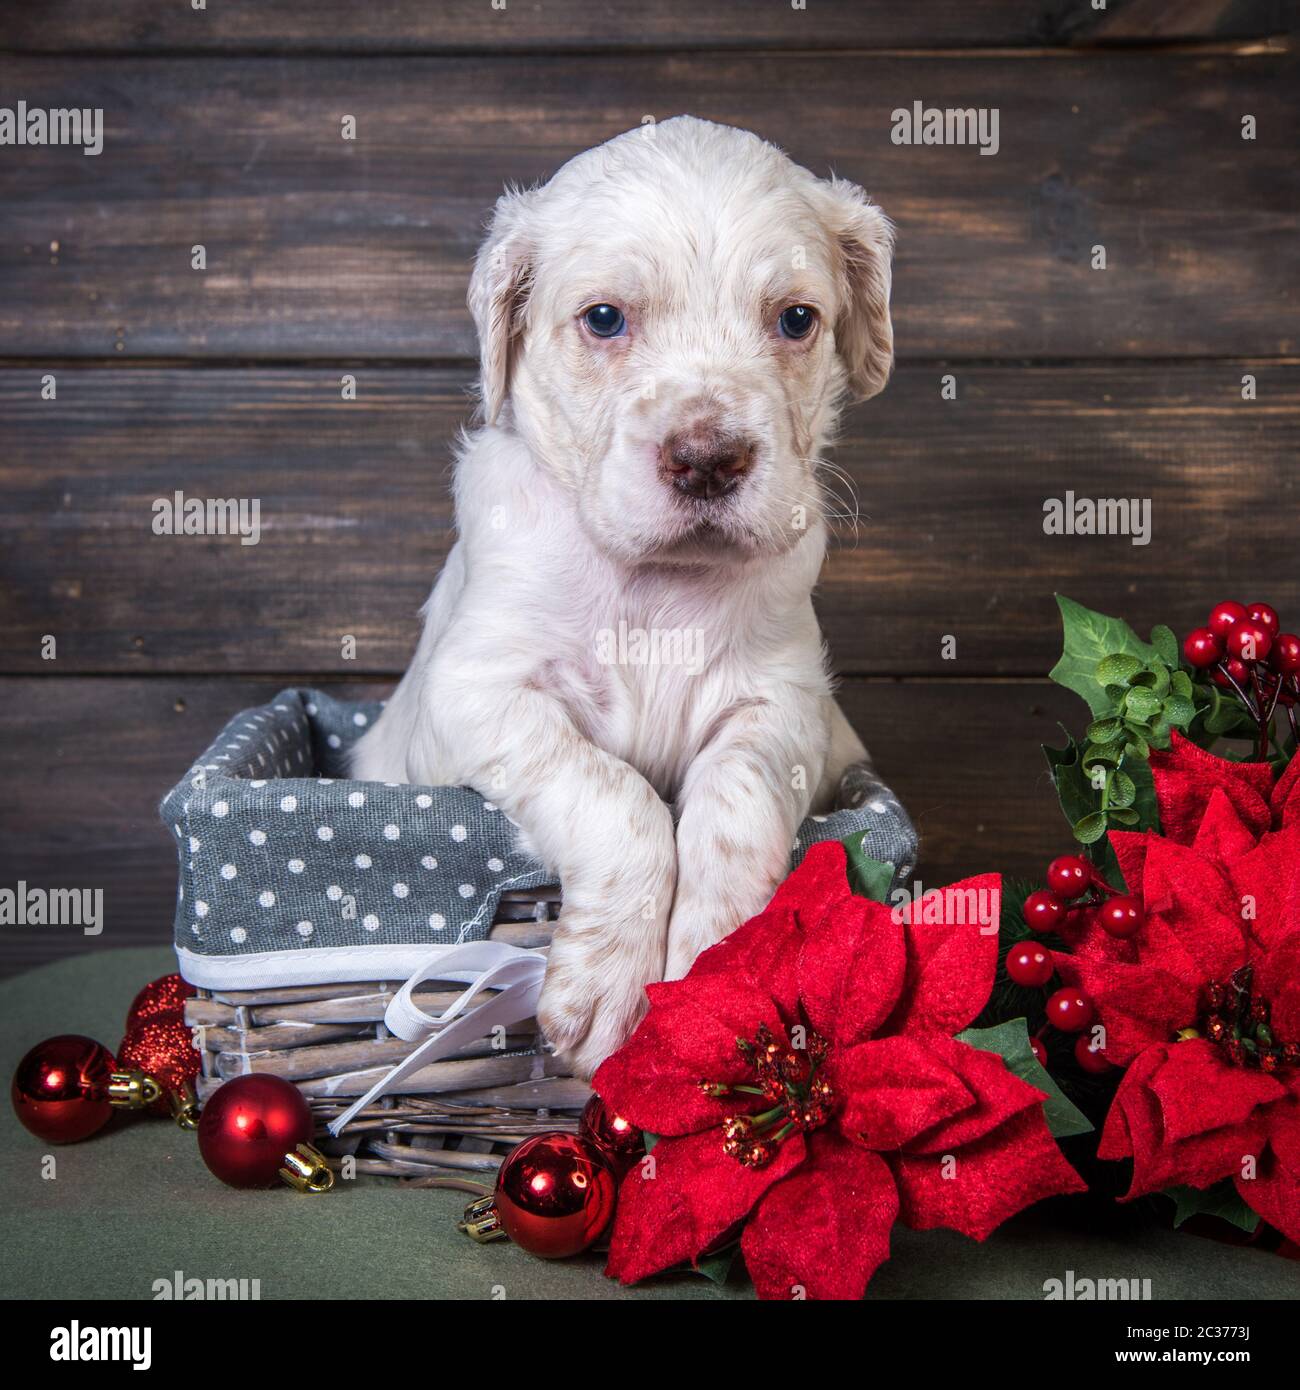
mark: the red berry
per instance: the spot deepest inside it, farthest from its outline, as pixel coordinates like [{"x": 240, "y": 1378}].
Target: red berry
[
  {"x": 1090, "y": 1057},
  {"x": 1070, "y": 1010},
  {"x": 1122, "y": 917},
  {"x": 1265, "y": 616},
  {"x": 1236, "y": 669},
  {"x": 1069, "y": 876},
  {"x": 1029, "y": 965},
  {"x": 1250, "y": 641},
  {"x": 1044, "y": 911},
  {"x": 1285, "y": 654},
  {"x": 1225, "y": 615},
  {"x": 1202, "y": 648},
  {"x": 1039, "y": 1051}
]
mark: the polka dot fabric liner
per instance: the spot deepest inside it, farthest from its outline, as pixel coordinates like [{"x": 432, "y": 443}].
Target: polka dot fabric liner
[{"x": 289, "y": 867}]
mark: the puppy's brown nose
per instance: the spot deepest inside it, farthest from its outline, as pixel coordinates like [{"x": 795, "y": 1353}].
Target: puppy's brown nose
[{"x": 706, "y": 462}]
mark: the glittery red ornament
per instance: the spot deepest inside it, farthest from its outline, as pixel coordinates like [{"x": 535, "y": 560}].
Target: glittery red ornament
[
  {"x": 622, "y": 1143},
  {"x": 255, "y": 1129},
  {"x": 60, "y": 1090},
  {"x": 555, "y": 1195},
  {"x": 164, "y": 1049},
  {"x": 161, "y": 998}
]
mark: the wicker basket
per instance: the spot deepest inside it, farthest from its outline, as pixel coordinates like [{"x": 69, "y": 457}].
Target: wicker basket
[{"x": 459, "y": 1116}]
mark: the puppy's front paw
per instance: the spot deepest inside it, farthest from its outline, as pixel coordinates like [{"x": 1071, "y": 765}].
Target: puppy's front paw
[{"x": 594, "y": 994}]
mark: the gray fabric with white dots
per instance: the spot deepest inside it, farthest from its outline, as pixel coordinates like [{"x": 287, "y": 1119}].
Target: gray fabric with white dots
[{"x": 280, "y": 851}]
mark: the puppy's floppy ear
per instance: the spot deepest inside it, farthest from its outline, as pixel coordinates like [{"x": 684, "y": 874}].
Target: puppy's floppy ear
[
  {"x": 498, "y": 295},
  {"x": 864, "y": 334}
]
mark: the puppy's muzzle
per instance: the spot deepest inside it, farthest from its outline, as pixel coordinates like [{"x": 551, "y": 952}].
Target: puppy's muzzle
[{"x": 706, "y": 462}]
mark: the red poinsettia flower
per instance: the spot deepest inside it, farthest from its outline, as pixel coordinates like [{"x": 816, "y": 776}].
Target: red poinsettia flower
[
  {"x": 1202, "y": 1005},
  {"x": 804, "y": 1081}
]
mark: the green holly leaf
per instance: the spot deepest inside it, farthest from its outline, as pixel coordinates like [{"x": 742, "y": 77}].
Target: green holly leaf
[
  {"x": 1010, "y": 1041},
  {"x": 868, "y": 877},
  {"x": 1164, "y": 641},
  {"x": 1073, "y": 789},
  {"x": 1221, "y": 1200},
  {"x": 1118, "y": 669},
  {"x": 1091, "y": 828},
  {"x": 1088, "y": 639}
]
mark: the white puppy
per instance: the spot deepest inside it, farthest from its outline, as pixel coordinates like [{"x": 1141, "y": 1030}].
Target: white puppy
[{"x": 621, "y": 650}]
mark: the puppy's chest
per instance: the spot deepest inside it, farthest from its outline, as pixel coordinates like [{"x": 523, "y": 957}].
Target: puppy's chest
[{"x": 638, "y": 693}]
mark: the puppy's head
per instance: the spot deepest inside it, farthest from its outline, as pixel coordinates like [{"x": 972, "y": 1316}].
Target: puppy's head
[{"x": 670, "y": 323}]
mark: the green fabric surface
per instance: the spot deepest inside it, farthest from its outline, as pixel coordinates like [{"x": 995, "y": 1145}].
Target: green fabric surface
[{"x": 135, "y": 1204}]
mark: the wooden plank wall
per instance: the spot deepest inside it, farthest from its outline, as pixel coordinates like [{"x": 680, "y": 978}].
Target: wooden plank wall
[{"x": 1119, "y": 127}]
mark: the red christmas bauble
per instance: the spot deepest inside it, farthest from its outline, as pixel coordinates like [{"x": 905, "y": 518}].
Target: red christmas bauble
[
  {"x": 164, "y": 1049},
  {"x": 161, "y": 998},
  {"x": 1070, "y": 1010},
  {"x": 60, "y": 1090},
  {"x": 555, "y": 1195},
  {"x": 248, "y": 1127},
  {"x": 1029, "y": 965},
  {"x": 618, "y": 1139}
]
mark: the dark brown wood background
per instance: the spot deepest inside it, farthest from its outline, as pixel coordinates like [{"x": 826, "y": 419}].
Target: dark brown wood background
[{"x": 1119, "y": 127}]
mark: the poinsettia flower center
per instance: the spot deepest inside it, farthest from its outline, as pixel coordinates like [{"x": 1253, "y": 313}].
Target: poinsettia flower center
[
  {"x": 1236, "y": 1019},
  {"x": 794, "y": 1081}
]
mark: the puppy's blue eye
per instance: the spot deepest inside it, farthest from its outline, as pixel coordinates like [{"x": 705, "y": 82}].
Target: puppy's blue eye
[
  {"x": 605, "y": 321},
  {"x": 796, "y": 321}
]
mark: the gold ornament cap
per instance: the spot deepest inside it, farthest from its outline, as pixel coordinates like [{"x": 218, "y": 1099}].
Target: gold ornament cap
[
  {"x": 133, "y": 1090},
  {"x": 481, "y": 1222},
  {"x": 305, "y": 1170}
]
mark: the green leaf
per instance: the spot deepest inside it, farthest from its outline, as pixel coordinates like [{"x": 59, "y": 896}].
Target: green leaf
[
  {"x": 1117, "y": 669},
  {"x": 1164, "y": 641},
  {"x": 1010, "y": 1041},
  {"x": 868, "y": 877},
  {"x": 1141, "y": 703},
  {"x": 717, "y": 1267},
  {"x": 1221, "y": 1200},
  {"x": 1136, "y": 747},
  {"x": 1182, "y": 684},
  {"x": 1125, "y": 817},
  {"x": 1144, "y": 801},
  {"x": 1091, "y": 828},
  {"x": 1105, "y": 730},
  {"x": 1179, "y": 711},
  {"x": 1122, "y": 791},
  {"x": 1108, "y": 756},
  {"x": 1089, "y": 638}
]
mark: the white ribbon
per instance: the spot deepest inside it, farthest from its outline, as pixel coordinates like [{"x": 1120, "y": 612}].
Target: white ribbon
[{"x": 514, "y": 972}]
